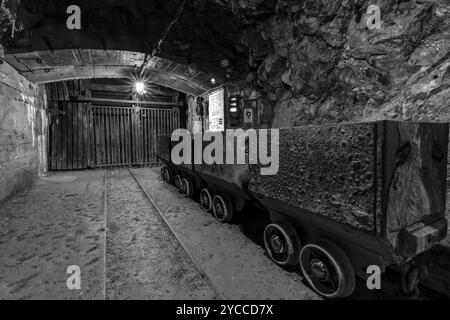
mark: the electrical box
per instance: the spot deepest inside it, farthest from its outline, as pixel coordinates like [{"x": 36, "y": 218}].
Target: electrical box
[{"x": 250, "y": 114}]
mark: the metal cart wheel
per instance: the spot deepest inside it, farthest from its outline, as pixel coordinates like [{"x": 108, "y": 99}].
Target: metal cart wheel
[
  {"x": 327, "y": 269},
  {"x": 187, "y": 188},
  {"x": 169, "y": 176},
  {"x": 282, "y": 244},
  {"x": 206, "y": 200},
  {"x": 222, "y": 208},
  {"x": 178, "y": 182}
]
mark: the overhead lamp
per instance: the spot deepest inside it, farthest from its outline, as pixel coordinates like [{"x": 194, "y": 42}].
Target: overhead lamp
[{"x": 139, "y": 87}]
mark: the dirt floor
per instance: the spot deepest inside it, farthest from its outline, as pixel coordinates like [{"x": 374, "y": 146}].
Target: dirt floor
[
  {"x": 125, "y": 251},
  {"x": 237, "y": 266},
  {"x": 143, "y": 259},
  {"x": 58, "y": 223}
]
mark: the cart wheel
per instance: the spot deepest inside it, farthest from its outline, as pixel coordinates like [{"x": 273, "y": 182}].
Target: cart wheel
[
  {"x": 169, "y": 176},
  {"x": 163, "y": 173},
  {"x": 282, "y": 244},
  {"x": 327, "y": 269},
  {"x": 206, "y": 200},
  {"x": 222, "y": 209},
  {"x": 178, "y": 182},
  {"x": 188, "y": 188}
]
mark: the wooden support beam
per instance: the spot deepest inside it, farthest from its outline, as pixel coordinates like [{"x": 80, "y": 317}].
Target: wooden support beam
[{"x": 127, "y": 101}]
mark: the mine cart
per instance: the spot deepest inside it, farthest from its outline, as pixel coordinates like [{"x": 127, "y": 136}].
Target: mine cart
[
  {"x": 224, "y": 185},
  {"x": 220, "y": 188},
  {"x": 346, "y": 198},
  {"x": 224, "y": 189},
  {"x": 351, "y": 196},
  {"x": 182, "y": 176}
]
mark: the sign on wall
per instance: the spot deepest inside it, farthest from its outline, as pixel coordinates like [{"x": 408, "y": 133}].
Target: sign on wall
[
  {"x": 248, "y": 116},
  {"x": 216, "y": 110}
]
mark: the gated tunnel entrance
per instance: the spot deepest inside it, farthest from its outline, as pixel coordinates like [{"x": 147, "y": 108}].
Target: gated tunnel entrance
[{"x": 89, "y": 129}]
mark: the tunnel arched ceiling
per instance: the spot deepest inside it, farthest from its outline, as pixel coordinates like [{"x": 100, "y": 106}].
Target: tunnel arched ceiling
[
  {"x": 206, "y": 33},
  {"x": 48, "y": 66}
]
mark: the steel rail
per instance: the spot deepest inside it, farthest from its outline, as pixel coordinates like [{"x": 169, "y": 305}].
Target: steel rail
[{"x": 186, "y": 249}]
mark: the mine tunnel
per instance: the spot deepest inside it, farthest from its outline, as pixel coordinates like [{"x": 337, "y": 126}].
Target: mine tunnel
[{"x": 94, "y": 203}]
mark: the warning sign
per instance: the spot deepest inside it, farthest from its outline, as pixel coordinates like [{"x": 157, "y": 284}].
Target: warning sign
[{"x": 216, "y": 110}]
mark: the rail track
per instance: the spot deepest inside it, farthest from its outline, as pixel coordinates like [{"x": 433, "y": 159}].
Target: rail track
[{"x": 185, "y": 248}]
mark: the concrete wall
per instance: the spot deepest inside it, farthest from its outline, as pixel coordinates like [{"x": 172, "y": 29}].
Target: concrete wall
[{"x": 23, "y": 131}]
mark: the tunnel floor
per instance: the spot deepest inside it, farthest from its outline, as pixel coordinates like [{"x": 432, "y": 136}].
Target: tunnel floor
[
  {"x": 124, "y": 249},
  {"x": 103, "y": 222}
]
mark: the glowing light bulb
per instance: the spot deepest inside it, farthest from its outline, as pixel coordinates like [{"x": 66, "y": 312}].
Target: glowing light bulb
[{"x": 140, "y": 87}]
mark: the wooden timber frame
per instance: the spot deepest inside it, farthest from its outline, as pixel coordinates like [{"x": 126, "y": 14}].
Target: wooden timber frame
[{"x": 84, "y": 134}]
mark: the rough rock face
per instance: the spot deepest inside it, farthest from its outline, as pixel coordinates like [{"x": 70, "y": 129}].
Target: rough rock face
[
  {"x": 320, "y": 63},
  {"x": 204, "y": 34}
]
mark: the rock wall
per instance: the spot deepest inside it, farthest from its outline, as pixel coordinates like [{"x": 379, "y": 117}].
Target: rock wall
[
  {"x": 23, "y": 131},
  {"x": 193, "y": 121},
  {"x": 318, "y": 62}
]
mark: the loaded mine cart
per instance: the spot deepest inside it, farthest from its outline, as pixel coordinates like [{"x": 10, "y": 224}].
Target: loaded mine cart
[
  {"x": 346, "y": 197},
  {"x": 354, "y": 195}
]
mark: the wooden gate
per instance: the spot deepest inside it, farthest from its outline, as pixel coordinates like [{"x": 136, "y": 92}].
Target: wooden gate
[
  {"x": 84, "y": 136},
  {"x": 69, "y": 136},
  {"x": 128, "y": 135}
]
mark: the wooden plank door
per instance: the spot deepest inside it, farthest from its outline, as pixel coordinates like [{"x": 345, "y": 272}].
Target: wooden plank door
[{"x": 69, "y": 136}]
